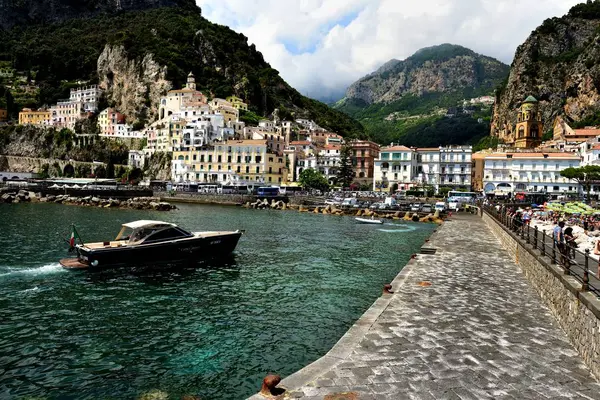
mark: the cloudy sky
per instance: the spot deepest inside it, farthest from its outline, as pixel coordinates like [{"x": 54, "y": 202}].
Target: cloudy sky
[{"x": 322, "y": 46}]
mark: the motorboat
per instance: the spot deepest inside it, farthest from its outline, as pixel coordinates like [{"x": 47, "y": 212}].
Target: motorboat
[
  {"x": 369, "y": 221},
  {"x": 150, "y": 243}
]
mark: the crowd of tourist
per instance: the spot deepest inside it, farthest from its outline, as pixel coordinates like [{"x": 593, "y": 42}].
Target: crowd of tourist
[{"x": 570, "y": 232}]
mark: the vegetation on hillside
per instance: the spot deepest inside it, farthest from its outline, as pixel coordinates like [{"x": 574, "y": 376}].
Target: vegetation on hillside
[
  {"x": 418, "y": 119},
  {"x": 30, "y": 141},
  {"x": 60, "y": 54}
]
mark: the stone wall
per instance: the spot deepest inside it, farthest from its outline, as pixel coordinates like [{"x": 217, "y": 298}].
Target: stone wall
[{"x": 577, "y": 312}]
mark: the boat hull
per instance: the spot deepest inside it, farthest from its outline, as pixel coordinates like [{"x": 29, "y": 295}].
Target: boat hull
[
  {"x": 369, "y": 221},
  {"x": 172, "y": 252}
]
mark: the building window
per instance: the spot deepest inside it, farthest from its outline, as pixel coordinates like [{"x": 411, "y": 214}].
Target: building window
[{"x": 556, "y": 188}]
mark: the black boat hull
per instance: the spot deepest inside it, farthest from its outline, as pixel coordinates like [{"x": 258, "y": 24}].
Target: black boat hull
[{"x": 173, "y": 252}]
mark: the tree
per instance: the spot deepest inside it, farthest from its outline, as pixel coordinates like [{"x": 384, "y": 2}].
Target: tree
[
  {"x": 110, "y": 170},
  {"x": 313, "y": 179},
  {"x": 136, "y": 175},
  {"x": 444, "y": 191},
  {"x": 100, "y": 172},
  {"x": 44, "y": 171},
  {"x": 585, "y": 176},
  {"x": 345, "y": 174}
]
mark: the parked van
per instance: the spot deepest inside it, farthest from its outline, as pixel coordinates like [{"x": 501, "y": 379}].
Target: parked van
[
  {"x": 349, "y": 202},
  {"x": 440, "y": 206}
]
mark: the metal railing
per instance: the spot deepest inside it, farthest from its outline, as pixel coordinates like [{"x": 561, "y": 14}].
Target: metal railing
[{"x": 574, "y": 262}]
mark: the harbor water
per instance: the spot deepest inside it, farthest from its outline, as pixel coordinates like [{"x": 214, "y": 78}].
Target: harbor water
[{"x": 293, "y": 287}]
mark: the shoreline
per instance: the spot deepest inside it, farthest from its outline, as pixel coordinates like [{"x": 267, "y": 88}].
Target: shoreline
[
  {"x": 134, "y": 203},
  {"x": 315, "y": 209}
]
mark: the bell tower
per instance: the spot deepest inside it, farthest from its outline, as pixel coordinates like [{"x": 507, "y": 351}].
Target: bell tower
[
  {"x": 528, "y": 133},
  {"x": 191, "y": 82}
]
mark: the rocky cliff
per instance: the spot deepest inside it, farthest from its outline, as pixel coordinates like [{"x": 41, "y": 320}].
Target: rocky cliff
[
  {"x": 135, "y": 86},
  {"x": 138, "y": 54},
  {"x": 558, "y": 65},
  {"x": 443, "y": 68},
  {"x": 20, "y": 12}
]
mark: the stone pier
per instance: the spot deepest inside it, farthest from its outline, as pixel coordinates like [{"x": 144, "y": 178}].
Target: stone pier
[{"x": 463, "y": 323}]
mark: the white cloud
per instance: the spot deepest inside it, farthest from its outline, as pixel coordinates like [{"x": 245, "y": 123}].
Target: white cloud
[{"x": 322, "y": 46}]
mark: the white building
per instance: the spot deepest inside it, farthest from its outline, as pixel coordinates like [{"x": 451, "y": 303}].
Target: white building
[
  {"x": 531, "y": 172},
  {"x": 437, "y": 167},
  {"x": 329, "y": 161},
  {"x": 136, "y": 159},
  {"x": 455, "y": 167},
  {"x": 88, "y": 95},
  {"x": 396, "y": 165},
  {"x": 590, "y": 152}
]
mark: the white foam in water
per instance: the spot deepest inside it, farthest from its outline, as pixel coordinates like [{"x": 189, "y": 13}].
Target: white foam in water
[
  {"x": 43, "y": 270},
  {"x": 405, "y": 228}
]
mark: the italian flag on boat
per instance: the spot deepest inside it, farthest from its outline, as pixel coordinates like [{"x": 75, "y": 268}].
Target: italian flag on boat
[{"x": 74, "y": 235}]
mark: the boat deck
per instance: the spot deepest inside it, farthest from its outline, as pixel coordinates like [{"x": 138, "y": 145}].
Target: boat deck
[
  {"x": 73, "y": 263},
  {"x": 125, "y": 243}
]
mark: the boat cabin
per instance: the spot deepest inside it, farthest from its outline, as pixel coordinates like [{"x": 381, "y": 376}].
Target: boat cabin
[
  {"x": 139, "y": 232},
  {"x": 143, "y": 232}
]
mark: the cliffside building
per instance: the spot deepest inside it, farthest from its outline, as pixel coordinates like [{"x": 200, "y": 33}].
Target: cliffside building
[
  {"x": 38, "y": 118},
  {"x": 237, "y": 103},
  {"x": 176, "y": 100},
  {"x": 88, "y": 95},
  {"x": 529, "y": 129}
]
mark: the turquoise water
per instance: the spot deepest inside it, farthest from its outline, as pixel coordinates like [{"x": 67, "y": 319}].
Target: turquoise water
[{"x": 295, "y": 284}]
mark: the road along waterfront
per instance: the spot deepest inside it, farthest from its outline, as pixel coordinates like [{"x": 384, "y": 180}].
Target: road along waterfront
[
  {"x": 461, "y": 324},
  {"x": 296, "y": 283}
]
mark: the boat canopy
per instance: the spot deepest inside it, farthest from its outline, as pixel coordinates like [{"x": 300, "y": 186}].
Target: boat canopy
[{"x": 147, "y": 224}]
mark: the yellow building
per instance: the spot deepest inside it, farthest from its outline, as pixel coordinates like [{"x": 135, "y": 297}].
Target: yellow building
[
  {"x": 529, "y": 125},
  {"x": 237, "y": 103},
  {"x": 30, "y": 117},
  {"x": 241, "y": 161}
]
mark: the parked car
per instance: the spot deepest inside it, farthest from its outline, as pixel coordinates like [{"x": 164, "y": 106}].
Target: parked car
[
  {"x": 427, "y": 208},
  {"x": 440, "y": 206},
  {"x": 416, "y": 207},
  {"x": 375, "y": 206}
]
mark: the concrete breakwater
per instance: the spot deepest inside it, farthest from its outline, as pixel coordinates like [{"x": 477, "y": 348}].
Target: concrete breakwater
[
  {"x": 136, "y": 203},
  {"x": 356, "y": 212}
]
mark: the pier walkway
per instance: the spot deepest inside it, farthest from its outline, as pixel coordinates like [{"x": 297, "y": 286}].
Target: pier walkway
[{"x": 478, "y": 331}]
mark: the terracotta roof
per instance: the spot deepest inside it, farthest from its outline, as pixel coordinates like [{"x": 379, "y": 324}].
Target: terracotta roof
[
  {"x": 396, "y": 148},
  {"x": 586, "y": 132},
  {"x": 428, "y": 149},
  {"x": 301, "y": 143},
  {"x": 596, "y": 147},
  {"x": 332, "y": 147}
]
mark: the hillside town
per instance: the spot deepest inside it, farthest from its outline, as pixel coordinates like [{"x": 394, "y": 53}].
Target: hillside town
[{"x": 210, "y": 145}]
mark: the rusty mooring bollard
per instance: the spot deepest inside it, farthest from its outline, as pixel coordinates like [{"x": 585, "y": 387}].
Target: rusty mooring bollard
[
  {"x": 387, "y": 289},
  {"x": 269, "y": 386},
  {"x": 413, "y": 256}
]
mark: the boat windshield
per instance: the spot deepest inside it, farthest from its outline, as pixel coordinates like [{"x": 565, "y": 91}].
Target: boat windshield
[{"x": 157, "y": 234}]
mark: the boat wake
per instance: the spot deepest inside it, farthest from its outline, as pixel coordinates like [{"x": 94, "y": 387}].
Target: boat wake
[
  {"x": 404, "y": 228},
  {"x": 43, "y": 270}
]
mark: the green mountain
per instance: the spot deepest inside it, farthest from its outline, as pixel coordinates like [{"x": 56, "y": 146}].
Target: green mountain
[
  {"x": 407, "y": 101},
  {"x": 136, "y": 46}
]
